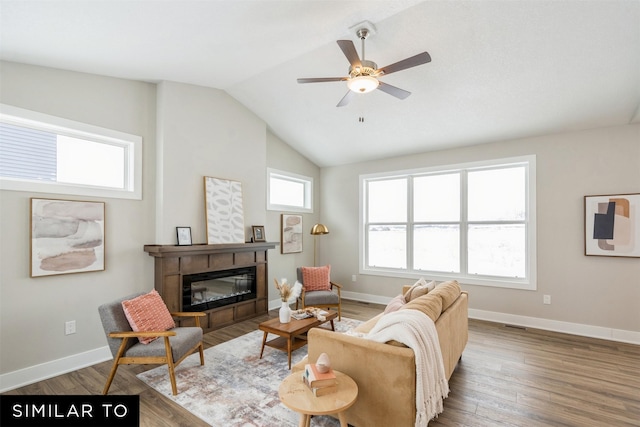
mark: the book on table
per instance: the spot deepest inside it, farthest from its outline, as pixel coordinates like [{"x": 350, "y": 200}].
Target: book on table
[
  {"x": 315, "y": 379},
  {"x": 322, "y": 391}
]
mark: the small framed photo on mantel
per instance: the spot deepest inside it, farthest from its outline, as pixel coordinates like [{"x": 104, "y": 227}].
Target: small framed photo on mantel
[
  {"x": 258, "y": 233},
  {"x": 184, "y": 236}
]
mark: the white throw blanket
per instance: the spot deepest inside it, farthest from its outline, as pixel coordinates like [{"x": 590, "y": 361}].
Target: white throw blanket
[{"x": 417, "y": 331}]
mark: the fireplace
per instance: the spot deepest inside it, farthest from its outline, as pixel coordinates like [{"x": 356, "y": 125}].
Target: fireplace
[
  {"x": 238, "y": 269},
  {"x": 214, "y": 289}
]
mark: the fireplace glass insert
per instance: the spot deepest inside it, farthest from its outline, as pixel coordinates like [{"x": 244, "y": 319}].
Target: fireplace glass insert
[{"x": 213, "y": 289}]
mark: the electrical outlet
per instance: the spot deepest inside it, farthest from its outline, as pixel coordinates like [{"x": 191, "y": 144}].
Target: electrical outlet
[
  {"x": 353, "y": 277},
  {"x": 70, "y": 327},
  {"x": 546, "y": 299}
]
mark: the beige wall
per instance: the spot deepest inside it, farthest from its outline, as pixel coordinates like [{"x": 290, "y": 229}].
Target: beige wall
[
  {"x": 205, "y": 132},
  {"x": 599, "y": 291},
  {"x": 33, "y": 310},
  {"x": 282, "y": 157}
]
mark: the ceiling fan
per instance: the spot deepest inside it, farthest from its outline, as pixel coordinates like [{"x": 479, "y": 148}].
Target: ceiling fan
[{"x": 364, "y": 75}]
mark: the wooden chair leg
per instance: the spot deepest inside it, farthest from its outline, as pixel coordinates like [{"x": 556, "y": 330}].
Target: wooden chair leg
[
  {"x": 112, "y": 374},
  {"x": 116, "y": 363},
  {"x": 171, "y": 366},
  {"x": 201, "y": 350}
]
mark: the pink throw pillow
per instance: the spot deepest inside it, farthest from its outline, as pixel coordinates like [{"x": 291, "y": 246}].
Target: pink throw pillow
[
  {"x": 395, "y": 304},
  {"x": 148, "y": 313},
  {"x": 316, "y": 278}
]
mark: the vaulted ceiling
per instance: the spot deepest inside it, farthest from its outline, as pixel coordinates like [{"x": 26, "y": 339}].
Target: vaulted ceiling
[{"x": 500, "y": 70}]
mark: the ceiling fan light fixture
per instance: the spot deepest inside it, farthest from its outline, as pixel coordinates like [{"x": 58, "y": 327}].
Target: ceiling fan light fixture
[{"x": 362, "y": 84}]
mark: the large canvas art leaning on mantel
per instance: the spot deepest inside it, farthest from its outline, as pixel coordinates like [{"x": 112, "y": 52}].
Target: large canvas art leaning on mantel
[
  {"x": 66, "y": 236},
  {"x": 225, "y": 217}
]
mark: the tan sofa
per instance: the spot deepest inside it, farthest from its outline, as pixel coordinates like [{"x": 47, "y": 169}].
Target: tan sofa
[{"x": 385, "y": 372}]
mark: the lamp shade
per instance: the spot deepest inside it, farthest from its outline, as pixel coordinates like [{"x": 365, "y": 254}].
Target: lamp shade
[
  {"x": 319, "y": 229},
  {"x": 362, "y": 84}
]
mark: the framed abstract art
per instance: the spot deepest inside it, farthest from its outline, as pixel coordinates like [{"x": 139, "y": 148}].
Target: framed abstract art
[
  {"x": 291, "y": 234},
  {"x": 224, "y": 211},
  {"x": 612, "y": 225},
  {"x": 67, "y": 236}
]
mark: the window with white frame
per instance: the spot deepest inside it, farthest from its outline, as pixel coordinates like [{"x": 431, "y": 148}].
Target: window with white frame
[
  {"x": 287, "y": 191},
  {"x": 49, "y": 154},
  {"x": 473, "y": 222}
]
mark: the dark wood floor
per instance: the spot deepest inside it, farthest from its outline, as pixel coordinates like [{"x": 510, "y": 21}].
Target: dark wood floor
[{"x": 507, "y": 377}]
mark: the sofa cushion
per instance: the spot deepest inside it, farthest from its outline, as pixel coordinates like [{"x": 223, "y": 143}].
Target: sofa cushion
[
  {"x": 429, "y": 304},
  {"x": 316, "y": 278},
  {"x": 395, "y": 304},
  {"x": 148, "y": 313},
  {"x": 448, "y": 291},
  {"x": 421, "y": 287}
]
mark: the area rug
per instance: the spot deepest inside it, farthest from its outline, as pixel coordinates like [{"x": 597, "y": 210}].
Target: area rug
[{"x": 235, "y": 387}]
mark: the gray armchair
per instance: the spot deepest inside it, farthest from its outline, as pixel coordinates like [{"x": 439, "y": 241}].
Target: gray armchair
[
  {"x": 321, "y": 299},
  {"x": 171, "y": 348}
]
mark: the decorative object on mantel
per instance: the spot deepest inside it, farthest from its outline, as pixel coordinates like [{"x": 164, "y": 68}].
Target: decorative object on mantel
[
  {"x": 258, "y": 233},
  {"x": 184, "y": 236},
  {"x": 223, "y": 205},
  {"x": 317, "y": 230},
  {"x": 66, "y": 237},
  {"x": 291, "y": 236},
  {"x": 288, "y": 295},
  {"x": 612, "y": 225}
]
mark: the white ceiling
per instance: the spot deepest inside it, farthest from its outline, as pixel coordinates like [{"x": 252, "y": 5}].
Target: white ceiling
[{"x": 500, "y": 70}]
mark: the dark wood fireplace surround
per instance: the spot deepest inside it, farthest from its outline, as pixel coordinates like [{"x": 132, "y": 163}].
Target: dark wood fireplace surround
[{"x": 173, "y": 262}]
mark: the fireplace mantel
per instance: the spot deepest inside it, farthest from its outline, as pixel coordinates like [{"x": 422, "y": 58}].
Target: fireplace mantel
[
  {"x": 173, "y": 262},
  {"x": 173, "y": 250}
]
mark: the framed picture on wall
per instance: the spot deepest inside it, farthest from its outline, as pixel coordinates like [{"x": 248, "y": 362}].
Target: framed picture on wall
[
  {"x": 291, "y": 233},
  {"x": 67, "y": 236},
  {"x": 612, "y": 225}
]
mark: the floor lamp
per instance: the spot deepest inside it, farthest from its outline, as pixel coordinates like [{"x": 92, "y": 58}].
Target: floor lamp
[{"x": 317, "y": 230}]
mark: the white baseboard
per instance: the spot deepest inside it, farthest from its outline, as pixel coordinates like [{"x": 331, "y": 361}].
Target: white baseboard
[
  {"x": 374, "y": 299},
  {"x": 43, "y": 371},
  {"x": 620, "y": 335},
  {"x": 32, "y": 374}
]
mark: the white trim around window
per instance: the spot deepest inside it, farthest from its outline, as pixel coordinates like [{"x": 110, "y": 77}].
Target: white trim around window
[
  {"x": 130, "y": 147},
  {"x": 290, "y": 192},
  {"x": 400, "y": 263}
]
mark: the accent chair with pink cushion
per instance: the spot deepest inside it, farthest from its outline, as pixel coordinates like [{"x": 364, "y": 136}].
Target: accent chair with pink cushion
[
  {"x": 318, "y": 290},
  {"x": 140, "y": 330}
]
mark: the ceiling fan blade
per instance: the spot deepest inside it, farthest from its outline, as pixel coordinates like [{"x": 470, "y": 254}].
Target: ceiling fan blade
[
  {"x": 350, "y": 52},
  {"x": 322, "y": 79},
  {"x": 419, "y": 59},
  {"x": 346, "y": 99},
  {"x": 394, "y": 91}
]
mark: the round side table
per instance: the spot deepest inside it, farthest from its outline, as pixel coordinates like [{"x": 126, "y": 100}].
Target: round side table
[{"x": 296, "y": 395}]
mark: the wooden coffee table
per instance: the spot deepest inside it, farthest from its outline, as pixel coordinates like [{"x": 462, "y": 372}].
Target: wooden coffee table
[
  {"x": 297, "y": 396},
  {"x": 292, "y": 335}
]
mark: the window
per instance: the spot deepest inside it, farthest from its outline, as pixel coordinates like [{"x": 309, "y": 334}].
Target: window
[
  {"x": 53, "y": 155},
  {"x": 474, "y": 223},
  {"x": 289, "y": 192}
]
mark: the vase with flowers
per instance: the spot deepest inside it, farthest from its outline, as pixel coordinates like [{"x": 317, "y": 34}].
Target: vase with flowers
[{"x": 288, "y": 295}]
